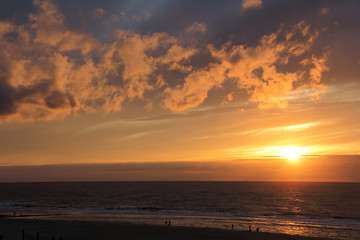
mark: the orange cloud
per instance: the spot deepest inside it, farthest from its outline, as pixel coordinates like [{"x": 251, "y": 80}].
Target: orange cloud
[
  {"x": 98, "y": 12},
  {"x": 324, "y": 11},
  {"x": 319, "y": 66},
  {"x": 255, "y": 70},
  {"x": 49, "y": 71},
  {"x": 42, "y": 81},
  {"x": 227, "y": 99},
  {"x": 195, "y": 89},
  {"x": 251, "y": 4},
  {"x": 196, "y": 27}
]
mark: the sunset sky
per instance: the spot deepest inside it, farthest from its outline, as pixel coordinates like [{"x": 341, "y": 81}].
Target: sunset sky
[{"x": 246, "y": 90}]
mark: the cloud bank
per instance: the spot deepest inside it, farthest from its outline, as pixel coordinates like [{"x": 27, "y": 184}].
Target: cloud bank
[
  {"x": 312, "y": 169},
  {"x": 48, "y": 71}
]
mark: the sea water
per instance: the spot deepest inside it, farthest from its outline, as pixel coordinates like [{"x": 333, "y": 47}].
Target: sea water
[{"x": 309, "y": 209}]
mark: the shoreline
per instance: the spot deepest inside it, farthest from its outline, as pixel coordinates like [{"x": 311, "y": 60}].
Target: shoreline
[{"x": 11, "y": 229}]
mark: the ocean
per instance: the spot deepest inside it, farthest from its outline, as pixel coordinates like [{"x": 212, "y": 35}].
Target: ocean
[{"x": 329, "y": 210}]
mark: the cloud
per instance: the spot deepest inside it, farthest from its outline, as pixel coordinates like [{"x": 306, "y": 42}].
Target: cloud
[
  {"x": 312, "y": 169},
  {"x": 320, "y": 66},
  {"x": 98, "y": 12},
  {"x": 49, "y": 71},
  {"x": 251, "y": 4},
  {"x": 125, "y": 17},
  {"x": 147, "y": 16},
  {"x": 195, "y": 89},
  {"x": 137, "y": 65},
  {"x": 324, "y": 11},
  {"x": 196, "y": 27},
  {"x": 256, "y": 69},
  {"x": 227, "y": 99}
]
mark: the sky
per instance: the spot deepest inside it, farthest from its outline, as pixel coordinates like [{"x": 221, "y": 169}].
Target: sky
[{"x": 173, "y": 90}]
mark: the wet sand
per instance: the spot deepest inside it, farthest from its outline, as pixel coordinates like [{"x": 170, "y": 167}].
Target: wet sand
[{"x": 77, "y": 230}]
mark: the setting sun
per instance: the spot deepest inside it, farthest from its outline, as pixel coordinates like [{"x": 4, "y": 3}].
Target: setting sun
[{"x": 291, "y": 153}]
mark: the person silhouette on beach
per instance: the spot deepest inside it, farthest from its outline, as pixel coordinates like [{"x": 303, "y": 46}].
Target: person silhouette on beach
[
  {"x": 232, "y": 227},
  {"x": 169, "y": 223},
  {"x": 249, "y": 228},
  {"x": 257, "y": 229}
]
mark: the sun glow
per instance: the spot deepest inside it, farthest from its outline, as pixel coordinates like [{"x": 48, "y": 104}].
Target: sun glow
[{"x": 291, "y": 153}]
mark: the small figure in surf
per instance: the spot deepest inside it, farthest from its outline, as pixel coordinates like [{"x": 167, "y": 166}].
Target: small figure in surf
[{"x": 249, "y": 228}]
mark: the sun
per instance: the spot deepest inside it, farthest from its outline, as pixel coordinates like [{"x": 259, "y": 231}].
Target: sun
[{"x": 291, "y": 153}]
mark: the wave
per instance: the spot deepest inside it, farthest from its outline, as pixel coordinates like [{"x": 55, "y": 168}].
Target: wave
[
  {"x": 302, "y": 225},
  {"x": 146, "y": 210},
  {"x": 153, "y": 210}
]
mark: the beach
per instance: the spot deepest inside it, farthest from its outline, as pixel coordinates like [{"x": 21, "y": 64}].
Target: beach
[{"x": 12, "y": 229}]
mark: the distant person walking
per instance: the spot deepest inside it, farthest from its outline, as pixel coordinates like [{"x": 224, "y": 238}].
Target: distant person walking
[
  {"x": 249, "y": 228},
  {"x": 257, "y": 229},
  {"x": 169, "y": 223}
]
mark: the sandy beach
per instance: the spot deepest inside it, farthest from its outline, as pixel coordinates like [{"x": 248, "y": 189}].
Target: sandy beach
[{"x": 12, "y": 229}]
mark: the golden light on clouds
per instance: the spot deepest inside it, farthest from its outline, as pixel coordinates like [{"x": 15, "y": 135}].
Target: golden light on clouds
[
  {"x": 251, "y": 3},
  {"x": 67, "y": 72}
]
